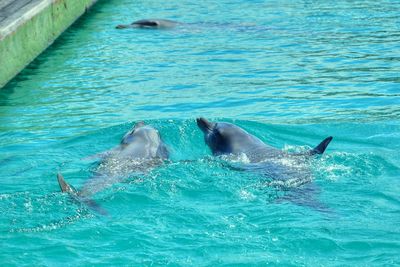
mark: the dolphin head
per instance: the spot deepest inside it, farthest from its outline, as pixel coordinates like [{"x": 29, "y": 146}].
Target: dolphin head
[
  {"x": 223, "y": 137},
  {"x": 123, "y": 26},
  {"x": 141, "y": 133},
  {"x": 149, "y": 24}
]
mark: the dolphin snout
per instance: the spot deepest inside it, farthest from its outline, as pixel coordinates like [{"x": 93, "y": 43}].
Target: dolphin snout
[
  {"x": 139, "y": 124},
  {"x": 204, "y": 125},
  {"x": 121, "y": 26}
]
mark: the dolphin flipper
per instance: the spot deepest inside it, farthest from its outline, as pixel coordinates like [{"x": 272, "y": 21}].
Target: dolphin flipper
[
  {"x": 64, "y": 186},
  {"x": 74, "y": 194},
  {"x": 306, "y": 196},
  {"x": 321, "y": 147}
]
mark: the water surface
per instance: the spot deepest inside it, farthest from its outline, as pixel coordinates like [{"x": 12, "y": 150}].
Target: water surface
[{"x": 289, "y": 72}]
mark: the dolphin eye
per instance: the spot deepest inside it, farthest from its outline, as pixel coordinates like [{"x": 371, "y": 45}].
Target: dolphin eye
[
  {"x": 220, "y": 133},
  {"x": 220, "y": 136}
]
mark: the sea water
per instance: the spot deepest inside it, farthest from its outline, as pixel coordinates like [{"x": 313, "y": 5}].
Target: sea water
[{"x": 289, "y": 72}]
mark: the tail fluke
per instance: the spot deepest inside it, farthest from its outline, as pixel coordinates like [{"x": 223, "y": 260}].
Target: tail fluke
[
  {"x": 73, "y": 193},
  {"x": 321, "y": 147}
]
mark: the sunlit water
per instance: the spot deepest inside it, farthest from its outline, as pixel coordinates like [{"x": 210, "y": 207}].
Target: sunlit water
[{"x": 289, "y": 72}]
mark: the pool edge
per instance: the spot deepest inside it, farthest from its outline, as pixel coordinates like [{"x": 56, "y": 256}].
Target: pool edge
[{"x": 31, "y": 32}]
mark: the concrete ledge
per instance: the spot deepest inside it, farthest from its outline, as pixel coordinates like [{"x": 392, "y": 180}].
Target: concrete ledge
[{"x": 28, "y": 27}]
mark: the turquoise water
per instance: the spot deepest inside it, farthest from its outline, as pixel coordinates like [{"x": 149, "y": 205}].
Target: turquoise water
[{"x": 289, "y": 72}]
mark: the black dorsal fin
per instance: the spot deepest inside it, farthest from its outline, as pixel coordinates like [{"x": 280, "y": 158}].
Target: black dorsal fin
[
  {"x": 146, "y": 23},
  {"x": 321, "y": 147}
]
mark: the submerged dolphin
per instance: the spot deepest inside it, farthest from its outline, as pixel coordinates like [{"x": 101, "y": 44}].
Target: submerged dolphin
[
  {"x": 283, "y": 169},
  {"x": 149, "y": 23},
  {"x": 193, "y": 26},
  {"x": 141, "y": 149}
]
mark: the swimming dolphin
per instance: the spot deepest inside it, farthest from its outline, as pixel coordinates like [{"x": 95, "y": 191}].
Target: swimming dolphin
[
  {"x": 140, "y": 149},
  {"x": 149, "y": 23},
  {"x": 193, "y": 26},
  {"x": 227, "y": 138},
  {"x": 284, "y": 170}
]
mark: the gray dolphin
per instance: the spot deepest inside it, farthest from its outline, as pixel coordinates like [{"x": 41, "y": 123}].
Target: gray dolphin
[
  {"x": 140, "y": 149},
  {"x": 284, "y": 170},
  {"x": 227, "y": 138},
  {"x": 168, "y": 24},
  {"x": 149, "y": 23}
]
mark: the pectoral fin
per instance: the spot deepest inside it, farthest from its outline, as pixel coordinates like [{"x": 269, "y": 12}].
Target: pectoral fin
[
  {"x": 64, "y": 186},
  {"x": 306, "y": 196},
  {"x": 74, "y": 194}
]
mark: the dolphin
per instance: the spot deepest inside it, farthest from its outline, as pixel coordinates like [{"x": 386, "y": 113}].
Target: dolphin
[
  {"x": 227, "y": 138},
  {"x": 140, "y": 150},
  {"x": 194, "y": 26},
  {"x": 149, "y": 23},
  {"x": 283, "y": 170}
]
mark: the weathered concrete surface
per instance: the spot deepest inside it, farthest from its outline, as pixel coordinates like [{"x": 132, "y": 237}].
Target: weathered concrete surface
[{"x": 28, "y": 27}]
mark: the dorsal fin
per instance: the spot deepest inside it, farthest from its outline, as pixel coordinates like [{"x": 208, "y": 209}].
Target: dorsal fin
[
  {"x": 146, "y": 23},
  {"x": 321, "y": 147}
]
